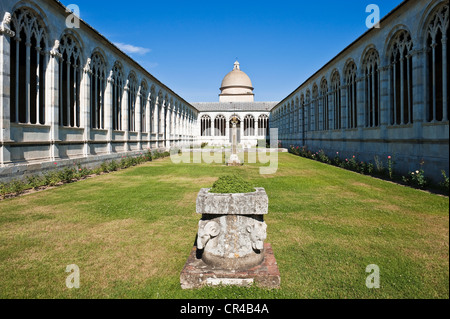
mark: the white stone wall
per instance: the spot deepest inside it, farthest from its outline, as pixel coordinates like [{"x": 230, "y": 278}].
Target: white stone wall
[{"x": 408, "y": 143}]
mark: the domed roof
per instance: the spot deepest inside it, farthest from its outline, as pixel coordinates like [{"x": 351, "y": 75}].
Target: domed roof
[{"x": 236, "y": 78}]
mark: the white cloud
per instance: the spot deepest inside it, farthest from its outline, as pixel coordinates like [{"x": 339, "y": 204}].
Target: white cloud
[{"x": 130, "y": 49}]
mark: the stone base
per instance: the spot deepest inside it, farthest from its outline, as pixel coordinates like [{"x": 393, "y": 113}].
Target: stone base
[
  {"x": 197, "y": 274},
  {"x": 234, "y": 161}
]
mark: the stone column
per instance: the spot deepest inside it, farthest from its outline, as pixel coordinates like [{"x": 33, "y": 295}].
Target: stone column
[
  {"x": 148, "y": 109},
  {"x": 156, "y": 121},
  {"x": 138, "y": 118},
  {"x": 5, "y": 91},
  {"x": 108, "y": 109},
  {"x": 52, "y": 99},
  {"x": 85, "y": 99},
  {"x": 125, "y": 116},
  {"x": 162, "y": 121},
  {"x": 168, "y": 124}
]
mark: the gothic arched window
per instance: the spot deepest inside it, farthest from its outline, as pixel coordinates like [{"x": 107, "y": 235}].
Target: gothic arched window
[
  {"x": 437, "y": 37},
  {"x": 132, "y": 95},
  {"x": 98, "y": 91},
  {"x": 205, "y": 125},
  {"x": 69, "y": 81},
  {"x": 28, "y": 64},
  {"x": 249, "y": 125},
  {"x": 315, "y": 105},
  {"x": 325, "y": 108},
  {"x": 351, "y": 95},
  {"x": 143, "y": 92},
  {"x": 401, "y": 79},
  {"x": 308, "y": 120},
  {"x": 118, "y": 86},
  {"x": 371, "y": 88},
  {"x": 336, "y": 94},
  {"x": 263, "y": 125},
  {"x": 220, "y": 125}
]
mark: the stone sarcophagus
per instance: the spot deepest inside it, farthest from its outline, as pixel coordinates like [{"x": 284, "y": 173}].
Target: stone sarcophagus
[{"x": 232, "y": 230}]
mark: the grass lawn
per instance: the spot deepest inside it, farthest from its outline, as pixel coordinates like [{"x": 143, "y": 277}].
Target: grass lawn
[{"x": 130, "y": 233}]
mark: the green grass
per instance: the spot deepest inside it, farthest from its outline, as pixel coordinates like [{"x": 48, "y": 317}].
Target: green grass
[
  {"x": 131, "y": 231},
  {"x": 228, "y": 184}
]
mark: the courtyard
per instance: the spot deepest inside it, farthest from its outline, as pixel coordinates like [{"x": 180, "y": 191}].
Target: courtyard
[{"x": 130, "y": 232}]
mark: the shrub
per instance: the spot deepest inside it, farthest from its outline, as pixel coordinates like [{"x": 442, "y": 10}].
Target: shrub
[
  {"x": 66, "y": 175},
  {"x": 416, "y": 179},
  {"x": 113, "y": 166},
  {"x": 391, "y": 164},
  {"x": 337, "y": 160},
  {"x": 98, "y": 170},
  {"x": 445, "y": 183},
  {"x": 322, "y": 157},
  {"x": 16, "y": 187},
  {"x": 3, "y": 189},
  {"x": 204, "y": 145},
  {"x": 104, "y": 167},
  {"x": 51, "y": 178},
  {"x": 370, "y": 169},
  {"x": 231, "y": 184},
  {"x": 36, "y": 181},
  {"x": 379, "y": 166}
]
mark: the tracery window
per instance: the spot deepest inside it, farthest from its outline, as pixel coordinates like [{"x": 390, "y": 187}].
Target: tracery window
[
  {"x": 351, "y": 95},
  {"x": 437, "y": 70},
  {"x": 303, "y": 115},
  {"x": 98, "y": 85},
  {"x": 315, "y": 105},
  {"x": 117, "y": 93},
  {"x": 401, "y": 79},
  {"x": 308, "y": 106},
  {"x": 205, "y": 125},
  {"x": 325, "y": 108},
  {"x": 132, "y": 95},
  {"x": 143, "y": 105},
  {"x": 372, "y": 88},
  {"x": 336, "y": 96},
  {"x": 263, "y": 125},
  {"x": 69, "y": 82},
  {"x": 220, "y": 125},
  {"x": 249, "y": 125},
  {"x": 28, "y": 64}
]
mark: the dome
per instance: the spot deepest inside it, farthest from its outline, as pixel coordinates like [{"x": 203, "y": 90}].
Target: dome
[
  {"x": 236, "y": 86},
  {"x": 236, "y": 78}
]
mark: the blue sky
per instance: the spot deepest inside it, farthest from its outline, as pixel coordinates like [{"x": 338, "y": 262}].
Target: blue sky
[{"x": 191, "y": 45}]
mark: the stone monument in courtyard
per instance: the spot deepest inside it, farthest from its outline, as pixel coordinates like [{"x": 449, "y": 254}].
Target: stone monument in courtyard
[
  {"x": 234, "y": 158},
  {"x": 230, "y": 248}
]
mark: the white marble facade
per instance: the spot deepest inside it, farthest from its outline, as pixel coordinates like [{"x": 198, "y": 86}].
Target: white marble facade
[
  {"x": 69, "y": 93},
  {"x": 386, "y": 94}
]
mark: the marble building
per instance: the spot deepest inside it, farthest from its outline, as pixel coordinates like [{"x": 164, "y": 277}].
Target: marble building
[
  {"x": 385, "y": 94},
  {"x": 236, "y": 99},
  {"x": 69, "y": 94}
]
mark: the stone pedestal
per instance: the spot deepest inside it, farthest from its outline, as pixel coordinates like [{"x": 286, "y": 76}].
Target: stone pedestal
[{"x": 230, "y": 242}]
